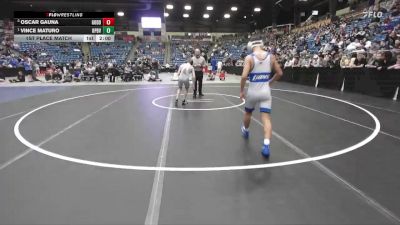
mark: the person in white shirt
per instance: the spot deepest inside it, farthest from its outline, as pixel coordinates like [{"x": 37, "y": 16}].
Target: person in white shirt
[{"x": 219, "y": 67}]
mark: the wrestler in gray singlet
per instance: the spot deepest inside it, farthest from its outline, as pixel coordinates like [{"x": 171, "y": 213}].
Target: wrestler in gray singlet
[
  {"x": 259, "y": 90},
  {"x": 185, "y": 71}
]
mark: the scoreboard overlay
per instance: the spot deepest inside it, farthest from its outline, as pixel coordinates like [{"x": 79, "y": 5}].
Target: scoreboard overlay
[{"x": 63, "y": 26}]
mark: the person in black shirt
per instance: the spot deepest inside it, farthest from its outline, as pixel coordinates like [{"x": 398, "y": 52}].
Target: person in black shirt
[
  {"x": 155, "y": 67},
  {"x": 114, "y": 73},
  {"x": 99, "y": 73},
  {"x": 381, "y": 61},
  {"x": 58, "y": 74},
  {"x": 335, "y": 61},
  {"x": 20, "y": 77},
  {"x": 360, "y": 61}
]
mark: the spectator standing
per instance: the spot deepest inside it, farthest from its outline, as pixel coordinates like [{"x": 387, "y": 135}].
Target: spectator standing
[
  {"x": 28, "y": 68},
  {"x": 219, "y": 67},
  {"x": 213, "y": 64}
]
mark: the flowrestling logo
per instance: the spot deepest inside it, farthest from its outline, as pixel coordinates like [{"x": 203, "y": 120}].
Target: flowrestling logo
[{"x": 372, "y": 14}]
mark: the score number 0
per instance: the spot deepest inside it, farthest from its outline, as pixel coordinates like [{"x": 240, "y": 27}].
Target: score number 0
[{"x": 108, "y": 21}]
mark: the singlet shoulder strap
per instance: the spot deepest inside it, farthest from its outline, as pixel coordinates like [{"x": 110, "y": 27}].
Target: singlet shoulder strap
[
  {"x": 268, "y": 56},
  {"x": 253, "y": 59}
]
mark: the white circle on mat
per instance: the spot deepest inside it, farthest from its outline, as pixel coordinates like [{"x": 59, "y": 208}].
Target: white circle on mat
[
  {"x": 368, "y": 139},
  {"x": 197, "y": 109}
]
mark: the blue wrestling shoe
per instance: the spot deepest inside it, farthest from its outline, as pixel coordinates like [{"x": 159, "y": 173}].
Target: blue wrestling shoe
[
  {"x": 265, "y": 151},
  {"x": 245, "y": 133}
]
